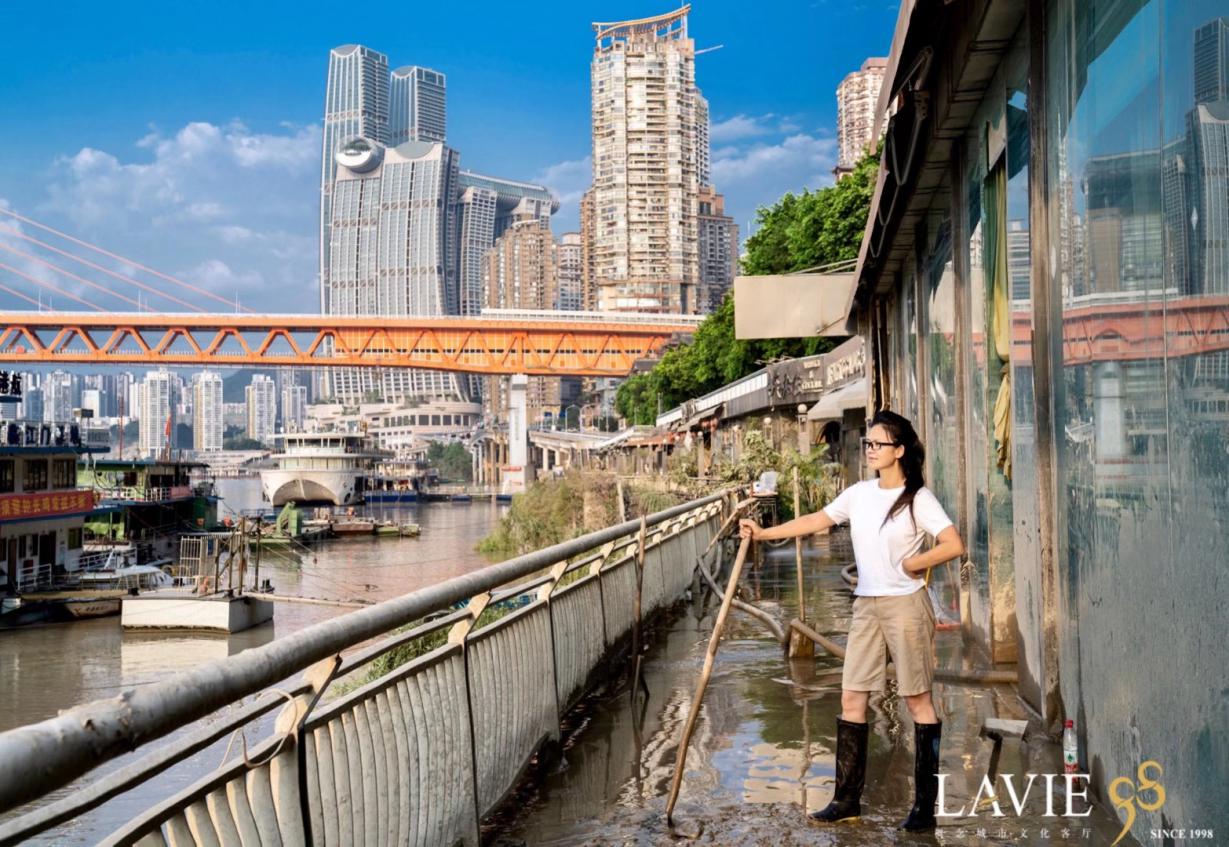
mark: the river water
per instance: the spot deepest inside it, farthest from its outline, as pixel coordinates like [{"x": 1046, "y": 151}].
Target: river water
[{"x": 46, "y": 669}]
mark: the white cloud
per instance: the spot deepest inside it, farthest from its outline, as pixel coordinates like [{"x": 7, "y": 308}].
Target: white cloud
[
  {"x": 568, "y": 180},
  {"x": 759, "y": 173},
  {"x": 236, "y": 208},
  {"x": 798, "y": 155},
  {"x": 217, "y": 276},
  {"x": 741, "y": 127}
]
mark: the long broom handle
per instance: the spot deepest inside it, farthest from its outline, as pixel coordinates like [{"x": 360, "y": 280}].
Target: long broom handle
[{"x": 680, "y": 762}]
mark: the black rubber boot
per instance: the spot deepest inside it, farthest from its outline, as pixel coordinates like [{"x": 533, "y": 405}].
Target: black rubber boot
[
  {"x": 851, "y": 741},
  {"x": 925, "y": 777}
]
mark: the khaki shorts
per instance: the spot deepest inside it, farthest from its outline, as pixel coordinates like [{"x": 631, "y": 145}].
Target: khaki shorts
[{"x": 902, "y": 627}]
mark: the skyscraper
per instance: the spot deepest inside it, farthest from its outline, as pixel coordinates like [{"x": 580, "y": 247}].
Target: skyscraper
[
  {"x": 718, "y": 249},
  {"x": 58, "y": 397},
  {"x": 157, "y": 403},
  {"x": 355, "y": 106},
  {"x": 487, "y": 207},
  {"x": 294, "y": 407},
  {"x": 569, "y": 276},
  {"x": 704, "y": 165},
  {"x": 1209, "y": 188},
  {"x": 1211, "y": 60},
  {"x": 393, "y": 251},
  {"x": 856, "y": 99},
  {"x": 261, "y": 397},
  {"x": 519, "y": 273},
  {"x": 588, "y": 234},
  {"x": 416, "y": 105},
  {"x": 645, "y": 165},
  {"x": 207, "y": 418}
]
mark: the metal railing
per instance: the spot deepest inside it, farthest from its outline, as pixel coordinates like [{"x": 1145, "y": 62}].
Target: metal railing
[{"x": 416, "y": 753}]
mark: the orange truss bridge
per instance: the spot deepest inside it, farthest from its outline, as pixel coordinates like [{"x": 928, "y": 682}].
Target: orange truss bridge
[{"x": 507, "y": 342}]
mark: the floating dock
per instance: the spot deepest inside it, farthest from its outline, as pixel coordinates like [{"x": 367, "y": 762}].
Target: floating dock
[{"x": 180, "y": 609}]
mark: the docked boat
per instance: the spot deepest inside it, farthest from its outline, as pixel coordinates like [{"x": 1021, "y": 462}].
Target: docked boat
[{"x": 320, "y": 467}]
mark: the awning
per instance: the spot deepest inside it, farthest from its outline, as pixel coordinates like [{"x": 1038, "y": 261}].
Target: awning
[
  {"x": 792, "y": 305},
  {"x": 833, "y": 405}
]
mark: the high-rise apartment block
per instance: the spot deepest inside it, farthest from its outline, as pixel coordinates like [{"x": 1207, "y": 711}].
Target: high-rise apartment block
[
  {"x": 519, "y": 273},
  {"x": 646, "y": 165},
  {"x": 261, "y": 397},
  {"x": 718, "y": 249},
  {"x": 294, "y": 407},
  {"x": 588, "y": 233},
  {"x": 58, "y": 397},
  {"x": 569, "y": 273},
  {"x": 207, "y": 417},
  {"x": 157, "y": 404},
  {"x": 856, "y": 99},
  {"x": 416, "y": 105}
]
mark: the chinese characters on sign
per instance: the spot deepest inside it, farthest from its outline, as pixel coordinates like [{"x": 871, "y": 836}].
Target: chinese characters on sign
[
  {"x": 10, "y": 385},
  {"x": 18, "y": 506}
]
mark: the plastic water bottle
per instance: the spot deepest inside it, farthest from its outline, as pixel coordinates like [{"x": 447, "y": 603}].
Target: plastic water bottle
[{"x": 1071, "y": 750}]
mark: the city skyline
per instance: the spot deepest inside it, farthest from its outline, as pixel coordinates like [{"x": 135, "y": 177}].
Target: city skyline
[{"x": 195, "y": 169}]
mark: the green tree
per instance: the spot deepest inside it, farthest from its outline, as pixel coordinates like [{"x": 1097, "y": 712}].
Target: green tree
[
  {"x": 452, "y": 460},
  {"x": 798, "y": 232}
]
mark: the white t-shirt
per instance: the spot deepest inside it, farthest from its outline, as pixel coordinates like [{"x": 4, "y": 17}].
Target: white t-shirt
[{"x": 880, "y": 548}]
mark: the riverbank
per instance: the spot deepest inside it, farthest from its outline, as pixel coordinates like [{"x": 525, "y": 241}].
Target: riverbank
[{"x": 564, "y": 507}]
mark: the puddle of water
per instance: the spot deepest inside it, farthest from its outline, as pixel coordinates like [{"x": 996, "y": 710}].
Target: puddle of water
[{"x": 762, "y": 753}]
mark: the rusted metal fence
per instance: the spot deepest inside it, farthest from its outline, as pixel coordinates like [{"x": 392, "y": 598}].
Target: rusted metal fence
[{"x": 410, "y": 738}]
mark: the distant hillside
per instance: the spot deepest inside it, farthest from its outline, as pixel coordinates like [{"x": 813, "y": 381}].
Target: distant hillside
[{"x": 235, "y": 381}]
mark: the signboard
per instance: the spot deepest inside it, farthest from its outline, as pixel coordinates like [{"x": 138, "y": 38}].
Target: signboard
[
  {"x": 15, "y": 507},
  {"x": 10, "y": 386}
]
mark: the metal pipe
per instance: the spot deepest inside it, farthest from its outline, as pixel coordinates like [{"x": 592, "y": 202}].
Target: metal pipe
[
  {"x": 47, "y": 755},
  {"x": 778, "y": 632}
]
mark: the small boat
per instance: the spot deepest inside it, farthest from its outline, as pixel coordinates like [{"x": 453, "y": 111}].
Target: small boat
[
  {"x": 58, "y": 607},
  {"x": 353, "y": 526},
  {"x": 142, "y": 577},
  {"x": 396, "y": 530}
]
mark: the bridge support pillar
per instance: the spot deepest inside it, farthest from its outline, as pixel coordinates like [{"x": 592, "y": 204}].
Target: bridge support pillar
[{"x": 517, "y": 474}]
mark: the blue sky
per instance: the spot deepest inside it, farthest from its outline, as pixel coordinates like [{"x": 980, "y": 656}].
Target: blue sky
[{"x": 189, "y": 139}]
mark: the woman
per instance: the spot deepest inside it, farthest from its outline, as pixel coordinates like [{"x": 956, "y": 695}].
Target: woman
[{"x": 889, "y": 518}]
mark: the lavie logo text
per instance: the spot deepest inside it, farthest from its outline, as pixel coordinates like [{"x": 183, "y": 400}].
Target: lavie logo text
[{"x": 1129, "y": 801}]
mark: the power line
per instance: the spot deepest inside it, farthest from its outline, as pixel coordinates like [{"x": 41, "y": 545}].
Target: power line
[
  {"x": 151, "y": 289},
  {"x": 119, "y": 258},
  {"x": 54, "y": 288}
]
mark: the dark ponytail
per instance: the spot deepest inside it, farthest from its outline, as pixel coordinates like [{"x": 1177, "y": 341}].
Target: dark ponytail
[{"x": 911, "y": 463}]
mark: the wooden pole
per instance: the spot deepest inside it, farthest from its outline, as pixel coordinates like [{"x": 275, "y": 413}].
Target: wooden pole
[
  {"x": 636, "y": 623},
  {"x": 680, "y": 762},
  {"x": 799, "y": 646}
]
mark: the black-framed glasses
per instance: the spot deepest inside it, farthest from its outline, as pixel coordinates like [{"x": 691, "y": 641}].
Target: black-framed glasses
[{"x": 869, "y": 444}]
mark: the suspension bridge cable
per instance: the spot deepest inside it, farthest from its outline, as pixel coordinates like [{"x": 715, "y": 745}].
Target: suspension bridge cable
[
  {"x": 17, "y": 293},
  {"x": 143, "y": 286},
  {"x": 204, "y": 291},
  {"x": 31, "y": 257},
  {"x": 54, "y": 288}
]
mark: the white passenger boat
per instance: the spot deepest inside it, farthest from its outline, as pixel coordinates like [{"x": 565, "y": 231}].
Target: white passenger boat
[{"x": 320, "y": 467}]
